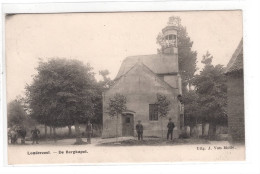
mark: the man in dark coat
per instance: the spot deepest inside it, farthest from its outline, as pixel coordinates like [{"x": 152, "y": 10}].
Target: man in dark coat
[
  {"x": 13, "y": 135},
  {"x": 35, "y": 135},
  {"x": 139, "y": 130},
  {"x": 89, "y": 131},
  {"x": 170, "y": 127},
  {"x": 21, "y": 131}
]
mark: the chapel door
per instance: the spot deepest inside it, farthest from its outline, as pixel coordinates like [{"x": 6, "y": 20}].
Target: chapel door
[{"x": 128, "y": 125}]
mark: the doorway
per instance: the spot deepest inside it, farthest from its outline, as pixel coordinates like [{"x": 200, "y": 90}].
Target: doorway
[{"x": 127, "y": 124}]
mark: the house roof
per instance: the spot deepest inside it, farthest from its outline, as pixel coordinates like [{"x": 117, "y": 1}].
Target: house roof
[
  {"x": 236, "y": 62},
  {"x": 147, "y": 70},
  {"x": 157, "y": 63}
]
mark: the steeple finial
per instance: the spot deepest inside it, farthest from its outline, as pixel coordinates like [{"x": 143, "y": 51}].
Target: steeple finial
[{"x": 173, "y": 21}]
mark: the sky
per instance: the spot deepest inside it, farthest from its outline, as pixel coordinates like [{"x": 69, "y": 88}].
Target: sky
[{"x": 105, "y": 39}]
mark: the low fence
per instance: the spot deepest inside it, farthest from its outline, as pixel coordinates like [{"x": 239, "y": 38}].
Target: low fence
[{"x": 200, "y": 130}]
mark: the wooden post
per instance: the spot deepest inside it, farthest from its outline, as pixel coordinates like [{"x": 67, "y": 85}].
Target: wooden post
[{"x": 45, "y": 129}]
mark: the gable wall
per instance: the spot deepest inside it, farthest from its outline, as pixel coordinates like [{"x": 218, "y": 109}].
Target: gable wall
[
  {"x": 172, "y": 80},
  {"x": 140, "y": 88}
]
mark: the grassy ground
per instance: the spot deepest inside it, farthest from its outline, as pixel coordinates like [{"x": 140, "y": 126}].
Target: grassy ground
[
  {"x": 124, "y": 141},
  {"x": 154, "y": 142}
]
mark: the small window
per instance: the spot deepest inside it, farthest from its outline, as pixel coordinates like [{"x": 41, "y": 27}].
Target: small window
[
  {"x": 153, "y": 112},
  {"x": 127, "y": 120}
]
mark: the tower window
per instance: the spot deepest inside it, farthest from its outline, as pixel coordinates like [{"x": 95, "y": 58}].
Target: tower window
[
  {"x": 170, "y": 40},
  {"x": 153, "y": 111}
]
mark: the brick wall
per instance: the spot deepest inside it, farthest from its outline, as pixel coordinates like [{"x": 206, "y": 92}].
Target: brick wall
[{"x": 236, "y": 107}]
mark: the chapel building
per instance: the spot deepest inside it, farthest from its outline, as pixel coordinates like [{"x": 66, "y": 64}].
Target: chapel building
[{"x": 140, "y": 79}]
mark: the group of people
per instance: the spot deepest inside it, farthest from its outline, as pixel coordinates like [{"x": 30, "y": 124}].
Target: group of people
[
  {"x": 16, "y": 132},
  {"x": 89, "y": 131},
  {"x": 139, "y": 129},
  {"x": 13, "y": 134},
  {"x": 20, "y": 132}
]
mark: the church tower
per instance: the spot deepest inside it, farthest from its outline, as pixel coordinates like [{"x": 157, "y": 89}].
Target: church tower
[
  {"x": 169, "y": 34},
  {"x": 169, "y": 47}
]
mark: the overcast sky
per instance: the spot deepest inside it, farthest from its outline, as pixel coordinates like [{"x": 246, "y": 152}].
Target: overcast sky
[{"x": 105, "y": 39}]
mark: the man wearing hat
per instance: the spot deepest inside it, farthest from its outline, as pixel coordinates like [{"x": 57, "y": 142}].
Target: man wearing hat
[
  {"x": 170, "y": 127},
  {"x": 139, "y": 130},
  {"x": 35, "y": 135}
]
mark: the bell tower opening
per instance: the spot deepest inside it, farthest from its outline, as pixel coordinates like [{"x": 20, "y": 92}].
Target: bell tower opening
[{"x": 169, "y": 44}]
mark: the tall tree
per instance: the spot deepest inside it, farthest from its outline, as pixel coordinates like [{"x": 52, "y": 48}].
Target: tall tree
[
  {"x": 106, "y": 82},
  {"x": 192, "y": 108},
  {"x": 117, "y": 105},
  {"x": 163, "y": 107},
  {"x": 62, "y": 93},
  {"x": 102, "y": 86},
  {"x": 16, "y": 114},
  {"x": 210, "y": 85},
  {"x": 186, "y": 56}
]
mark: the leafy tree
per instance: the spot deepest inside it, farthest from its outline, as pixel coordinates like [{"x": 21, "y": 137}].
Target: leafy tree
[
  {"x": 207, "y": 58},
  {"x": 16, "y": 114},
  {"x": 192, "y": 109},
  {"x": 62, "y": 94},
  {"x": 210, "y": 86},
  {"x": 116, "y": 106},
  {"x": 163, "y": 107},
  {"x": 106, "y": 83},
  {"x": 186, "y": 56},
  {"x": 102, "y": 86}
]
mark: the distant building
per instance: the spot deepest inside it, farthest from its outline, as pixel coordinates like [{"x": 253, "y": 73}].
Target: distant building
[
  {"x": 235, "y": 94},
  {"x": 140, "y": 78}
]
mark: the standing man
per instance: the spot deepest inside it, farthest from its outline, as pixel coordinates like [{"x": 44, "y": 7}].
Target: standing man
[
  {"x": 89, "y": 132},
  {"x": 170, "y": 127},
  {"x": 13, "y": 136},
  {"x": 35, "y": 135},
  {"x": 139, "y": 130},
  {"x": 21, "y": 131}
]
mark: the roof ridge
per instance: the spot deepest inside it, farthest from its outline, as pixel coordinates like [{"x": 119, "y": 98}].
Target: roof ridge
[
  {"x": 141, "y": 55},
  {"x": 234, "y": 56},
  {"x": 158, "y": 63},
  {"x": 154, "y": 74},
  {"x": 117, "y": 78},
  {"x": 140, "y": 63}
]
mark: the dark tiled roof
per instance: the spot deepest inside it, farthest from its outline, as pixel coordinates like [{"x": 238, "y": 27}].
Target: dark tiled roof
[
  {"x": 157, "y": 63},
  {"x": 147, "y": 70},
  {"x": 236, "y": 62}
]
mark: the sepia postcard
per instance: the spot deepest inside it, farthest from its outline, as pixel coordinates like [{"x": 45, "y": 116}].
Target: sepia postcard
[{"x": 124, "y": 87}]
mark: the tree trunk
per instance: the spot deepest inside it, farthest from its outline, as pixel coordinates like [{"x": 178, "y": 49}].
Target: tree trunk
[
  {"x": 203, "y": 130},
  {"x": 116, "y": 127},
  {"x": 196, "y": 127},
  {"x": 54, "y": 134},
  {"x": 78, "y": 135},
  {"x": 189, "y": 85},
  {"x": 50, "y": 131},
  {"x": 69, "y": 130},
  {"x": 162, "y": 127},
  {"x": 212, "y": 130},
  {"x": 45, "y": 131}
]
